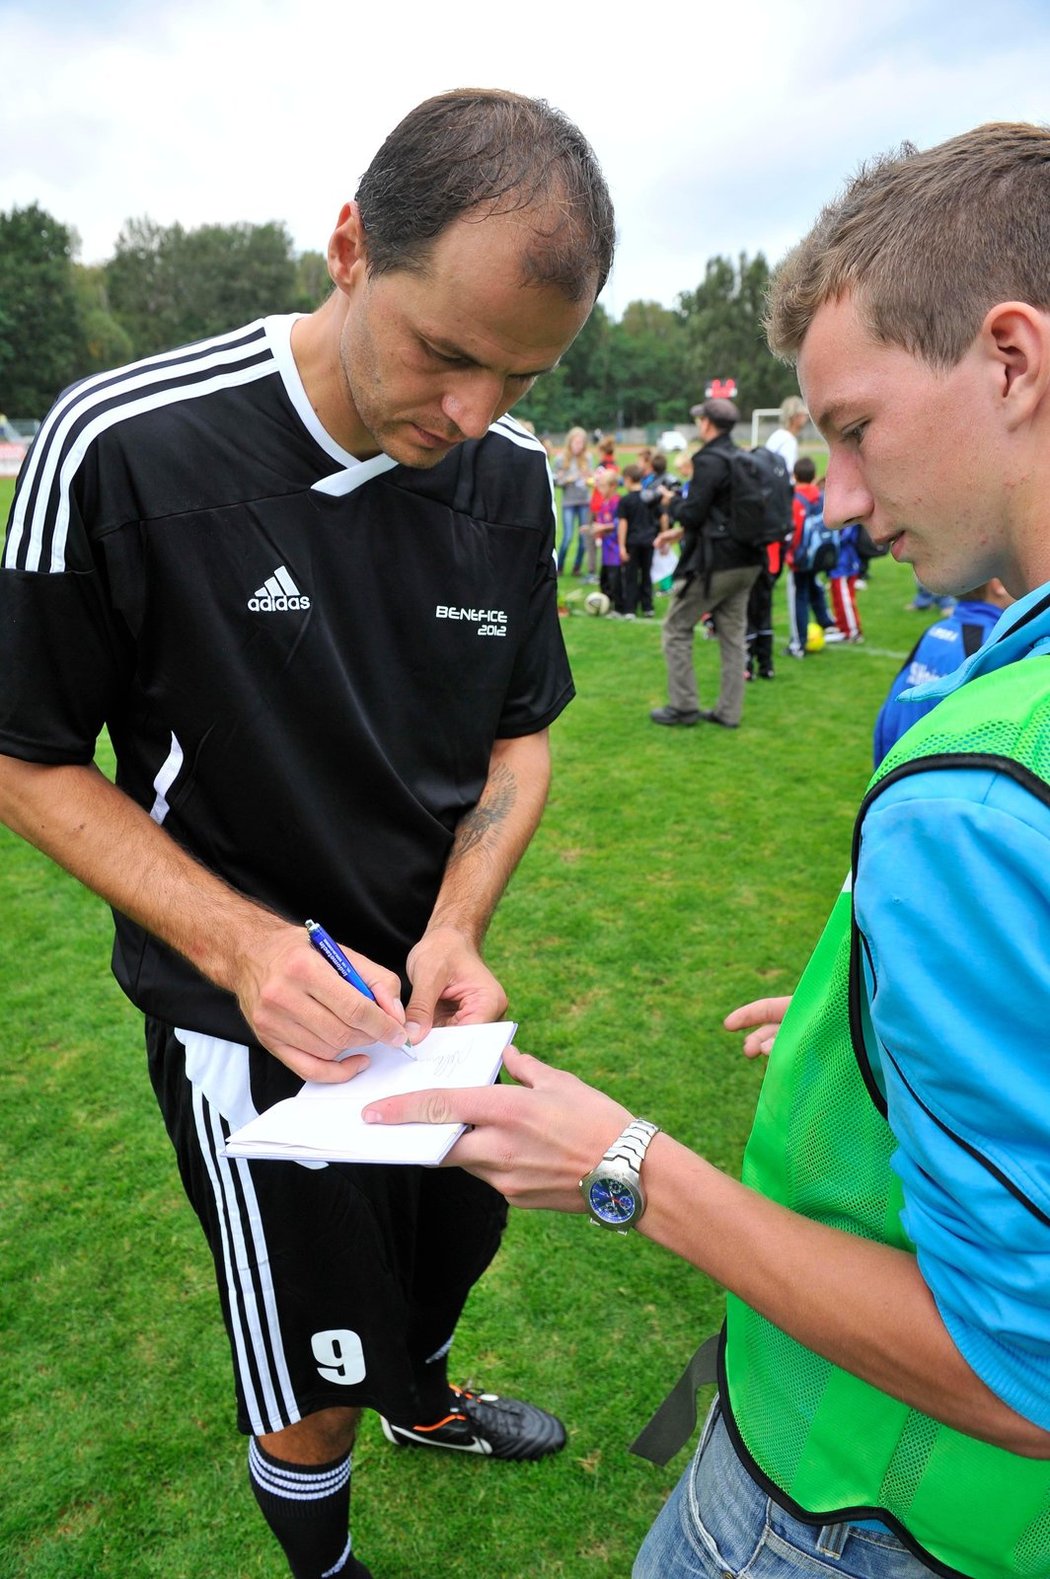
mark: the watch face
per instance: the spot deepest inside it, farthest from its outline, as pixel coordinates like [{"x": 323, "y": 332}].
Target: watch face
[{"x": 612, "y": 1200}]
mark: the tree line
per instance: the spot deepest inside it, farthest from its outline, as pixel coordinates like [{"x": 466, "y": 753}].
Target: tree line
[{"x": 61, "y": 320}]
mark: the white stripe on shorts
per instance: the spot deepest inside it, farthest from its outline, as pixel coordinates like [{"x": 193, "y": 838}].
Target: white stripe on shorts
[{"x": 255, "y": 1326}]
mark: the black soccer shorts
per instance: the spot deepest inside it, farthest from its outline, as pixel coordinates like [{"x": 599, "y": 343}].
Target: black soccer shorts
[{"x": 339, "y": 1282}]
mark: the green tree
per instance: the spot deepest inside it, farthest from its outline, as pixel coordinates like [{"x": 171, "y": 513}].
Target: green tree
[
  {"x": 649, "y": 365},
  {"x": 229, "y": 274},
  {"x": 722, "y": 319},
  {"x": 41, "y": 336},
  {"x": 106, "y": 344},
  {"x": 169, "y": 285},
  {"x": 581, "y": 390},
  {"x": 138, "y": 291},
  {"x": 547, "y": 402},
  {"x": 313, "y": 283},
  {"x": 590, "y": 383}
]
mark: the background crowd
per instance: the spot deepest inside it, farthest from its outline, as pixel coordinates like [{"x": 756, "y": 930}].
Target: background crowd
[{"x": 617, "y": 511}]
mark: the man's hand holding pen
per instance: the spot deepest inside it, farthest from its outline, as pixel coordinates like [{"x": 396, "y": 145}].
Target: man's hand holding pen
[{"x": 305, "y": 1012}]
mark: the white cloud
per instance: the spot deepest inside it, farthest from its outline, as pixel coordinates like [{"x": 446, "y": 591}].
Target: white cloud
[{"x": 718, "y": 133}]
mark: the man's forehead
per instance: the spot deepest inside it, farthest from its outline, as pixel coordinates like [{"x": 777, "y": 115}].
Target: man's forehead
[
  {"x": 825, "y": 353},
  {"x": 841, "y": 365}
]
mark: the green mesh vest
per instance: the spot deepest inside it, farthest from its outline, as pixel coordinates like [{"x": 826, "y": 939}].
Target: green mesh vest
[{"x": 824, "y": 1442}]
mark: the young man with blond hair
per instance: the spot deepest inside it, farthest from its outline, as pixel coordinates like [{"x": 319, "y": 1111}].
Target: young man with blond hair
[{"x": 884, "y": 1378}]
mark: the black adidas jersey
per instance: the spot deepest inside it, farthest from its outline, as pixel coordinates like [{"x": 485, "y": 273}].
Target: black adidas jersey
[{"x": 303, "y": 660}]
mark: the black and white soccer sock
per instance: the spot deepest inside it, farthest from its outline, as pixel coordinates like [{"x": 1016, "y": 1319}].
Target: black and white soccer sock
[
  {"x": 432, "y": 1385},
  {"x": 308, "y": 1509}
]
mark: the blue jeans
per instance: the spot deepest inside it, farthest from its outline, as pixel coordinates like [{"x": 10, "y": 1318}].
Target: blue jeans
[
  {"x": 718, "y": 1524},
  {"x": 573, "y": 516}
]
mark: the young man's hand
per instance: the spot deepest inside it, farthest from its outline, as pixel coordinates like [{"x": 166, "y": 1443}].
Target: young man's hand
[
  {"x": 761, "y": 1019},
  {"x": 533, "y": 1141}
]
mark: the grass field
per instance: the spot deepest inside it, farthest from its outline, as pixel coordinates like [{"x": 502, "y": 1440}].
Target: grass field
[{"x": 677, "y": 873}]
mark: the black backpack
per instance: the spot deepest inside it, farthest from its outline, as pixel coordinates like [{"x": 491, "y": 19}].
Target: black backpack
[{"x": 760, "y": 498}]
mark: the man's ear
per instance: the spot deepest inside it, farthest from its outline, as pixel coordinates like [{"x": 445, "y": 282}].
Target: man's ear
[
  {"x": 347, "y": 254},
  {"x": 1017, "y": 338}
]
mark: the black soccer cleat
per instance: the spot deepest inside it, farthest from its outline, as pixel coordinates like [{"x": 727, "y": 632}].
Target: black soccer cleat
[{"x": 485, "y": 1423}]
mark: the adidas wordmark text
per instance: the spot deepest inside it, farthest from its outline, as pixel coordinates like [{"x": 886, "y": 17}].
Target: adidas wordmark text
[{"x": 277, "y": 593}]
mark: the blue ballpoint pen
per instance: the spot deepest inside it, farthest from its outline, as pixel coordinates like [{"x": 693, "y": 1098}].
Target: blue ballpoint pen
[{"x": 337, "y": 959}]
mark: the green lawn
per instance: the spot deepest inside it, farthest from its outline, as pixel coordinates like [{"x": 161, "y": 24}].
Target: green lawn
[{"x": 677, "y": 873}]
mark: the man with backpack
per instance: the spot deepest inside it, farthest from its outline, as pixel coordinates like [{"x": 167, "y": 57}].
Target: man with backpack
[{"x": 715, "y": 573}]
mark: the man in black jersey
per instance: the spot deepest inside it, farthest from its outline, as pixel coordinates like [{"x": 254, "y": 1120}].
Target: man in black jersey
[{"x": 304, "y": 574}]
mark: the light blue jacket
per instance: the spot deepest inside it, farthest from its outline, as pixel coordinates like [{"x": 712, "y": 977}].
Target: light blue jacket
[{"x": 953, "y": 899}]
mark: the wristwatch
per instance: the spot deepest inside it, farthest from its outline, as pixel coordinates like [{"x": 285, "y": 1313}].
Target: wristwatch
[{"x": 612, "y": 1192}]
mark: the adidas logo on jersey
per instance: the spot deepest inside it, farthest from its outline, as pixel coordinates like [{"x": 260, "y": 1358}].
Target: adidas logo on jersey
[{"x": 277, "y": 593}]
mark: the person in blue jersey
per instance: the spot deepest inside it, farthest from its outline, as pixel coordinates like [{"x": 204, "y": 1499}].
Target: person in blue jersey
[
  {"x": 304, "y": 574},
  {"x": 883, "y": 1407},
  {"x": 940, "y": 649}
]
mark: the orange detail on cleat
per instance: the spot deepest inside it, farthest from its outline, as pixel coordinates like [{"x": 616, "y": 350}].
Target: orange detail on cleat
[{"x": 439, "y": 1423}]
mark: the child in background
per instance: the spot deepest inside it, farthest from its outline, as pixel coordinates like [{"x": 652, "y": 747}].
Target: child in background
[
  {"x": 607, "y": 455},
  {"x": 636, "y": 532},
  {"x": 805, "y": 594},
  {"x": 659, "y": 488},
  {"x": 606, "y": 462},
  {"x": 665, "y": 555},
  {"x": 842, "y": 582},
  {"x": 604, "y": 531}
]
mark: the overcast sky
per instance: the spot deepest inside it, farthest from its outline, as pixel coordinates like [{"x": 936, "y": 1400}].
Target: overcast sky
[{"x": 720, "y": 130}]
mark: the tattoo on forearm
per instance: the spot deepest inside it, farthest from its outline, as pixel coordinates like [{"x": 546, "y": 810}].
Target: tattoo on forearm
[{"x": 493, "y": 808}]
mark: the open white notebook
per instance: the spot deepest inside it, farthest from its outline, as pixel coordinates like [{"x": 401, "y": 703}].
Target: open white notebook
[{"x": 324, "y": 1123}]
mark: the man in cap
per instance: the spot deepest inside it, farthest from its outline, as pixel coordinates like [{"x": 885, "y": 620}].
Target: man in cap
[{"x": 714, "y": 577}]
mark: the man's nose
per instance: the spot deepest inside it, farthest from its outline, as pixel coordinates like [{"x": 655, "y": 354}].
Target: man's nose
[
  {"x": 846, "y": 497},
  {"x": 474, "y": 402}
]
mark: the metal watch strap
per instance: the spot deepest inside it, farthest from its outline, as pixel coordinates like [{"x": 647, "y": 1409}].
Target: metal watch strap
[{"x": 630, "y": 1147}]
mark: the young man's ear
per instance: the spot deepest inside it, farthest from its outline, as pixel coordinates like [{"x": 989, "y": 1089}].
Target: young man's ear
[
  {"x": 1017, "y": 337},
  {"x": 347, "y": 254}
]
